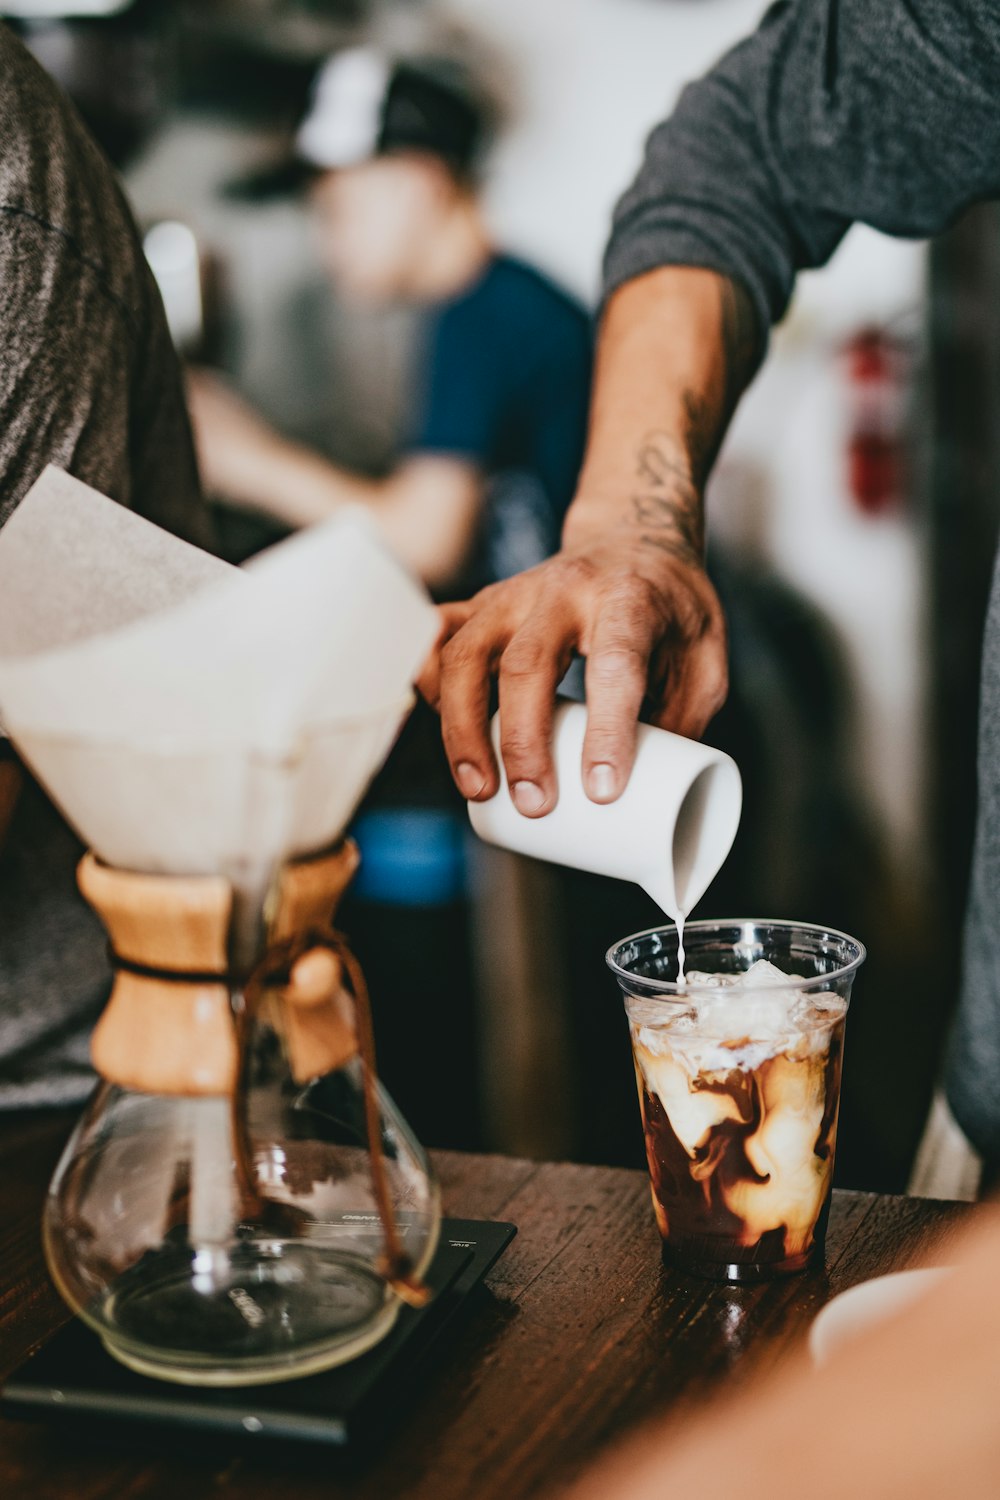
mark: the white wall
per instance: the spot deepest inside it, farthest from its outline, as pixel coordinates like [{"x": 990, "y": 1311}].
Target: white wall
[{"x": 592, "y": 77}]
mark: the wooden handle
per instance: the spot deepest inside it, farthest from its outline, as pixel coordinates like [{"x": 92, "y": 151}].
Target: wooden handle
[
  {"x": 161, "y": 921},
  {"x": 157, "y": 1036},
  {"x": 161, "y": 1036},
  {"x": 310, "y": 890}
]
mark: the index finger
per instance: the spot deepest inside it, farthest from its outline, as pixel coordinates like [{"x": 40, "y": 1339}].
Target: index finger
[
  {"x": 451, "y": 617},
  {"x": 466, "y": 671},
  {"x": 616, "y": 675}
]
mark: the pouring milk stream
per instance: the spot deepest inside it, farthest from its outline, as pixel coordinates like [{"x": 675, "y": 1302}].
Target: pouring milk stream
[{"x": 669, "y": 831}]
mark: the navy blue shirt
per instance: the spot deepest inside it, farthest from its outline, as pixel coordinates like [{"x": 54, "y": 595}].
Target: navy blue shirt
[{"x": 507, "y": 387}]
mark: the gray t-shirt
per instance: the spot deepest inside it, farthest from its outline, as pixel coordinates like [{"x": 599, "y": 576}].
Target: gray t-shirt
[
  {"x": 88, "y": 381},
  {"x": 883, "y": 111},
  {"x": 887, "y": 112}
]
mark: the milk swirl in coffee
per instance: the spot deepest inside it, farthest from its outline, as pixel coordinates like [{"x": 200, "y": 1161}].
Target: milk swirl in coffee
[{"x": 738, "y": 1084}]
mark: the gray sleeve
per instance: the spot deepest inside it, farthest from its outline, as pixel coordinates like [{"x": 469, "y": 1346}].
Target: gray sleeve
[{"x": 884, "y": 111}]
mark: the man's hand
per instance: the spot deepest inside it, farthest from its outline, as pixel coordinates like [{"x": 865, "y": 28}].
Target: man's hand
[
  {"x": 629, "y": 590},
  {"x": 648, "y": 622}
]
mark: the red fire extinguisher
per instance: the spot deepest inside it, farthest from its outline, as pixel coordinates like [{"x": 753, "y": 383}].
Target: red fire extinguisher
[{"x": 876, "y": 370}]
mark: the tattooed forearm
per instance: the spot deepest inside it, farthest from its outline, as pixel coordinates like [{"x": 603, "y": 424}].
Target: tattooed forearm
[
  {"x": 668, "y": 506},
  {"x": 678, "y": 347}
]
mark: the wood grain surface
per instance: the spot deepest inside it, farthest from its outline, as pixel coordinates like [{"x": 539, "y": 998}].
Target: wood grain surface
[{"x": 580, "y": 1335}]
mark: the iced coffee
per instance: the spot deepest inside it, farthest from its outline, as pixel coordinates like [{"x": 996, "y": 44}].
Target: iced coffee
[{"x": 738, "y": 1071}]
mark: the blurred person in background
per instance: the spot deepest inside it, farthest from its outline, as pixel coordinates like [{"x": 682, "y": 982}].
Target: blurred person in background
[
  {"x": 830, "y": 113},
  {"x": 88, "y": 381},
  {"x": 391, "y": 151},
  {"x": 490, "y": 465}
]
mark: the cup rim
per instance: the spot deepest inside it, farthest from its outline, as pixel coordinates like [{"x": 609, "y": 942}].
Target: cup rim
[{"x": 670, "y": 987}]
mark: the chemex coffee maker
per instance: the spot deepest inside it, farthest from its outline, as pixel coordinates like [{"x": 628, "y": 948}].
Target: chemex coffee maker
[{"x": 241, "y": 1202}]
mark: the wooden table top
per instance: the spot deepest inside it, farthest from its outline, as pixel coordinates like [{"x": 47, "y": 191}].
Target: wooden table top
[{"x": 581, "y": 1335}]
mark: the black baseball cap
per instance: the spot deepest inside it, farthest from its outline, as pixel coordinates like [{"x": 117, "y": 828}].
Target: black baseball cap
[{"x": 364, "y": 105}]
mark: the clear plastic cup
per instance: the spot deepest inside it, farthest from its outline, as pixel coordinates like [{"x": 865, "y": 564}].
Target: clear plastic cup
[{"x": 739, "y": 1087}]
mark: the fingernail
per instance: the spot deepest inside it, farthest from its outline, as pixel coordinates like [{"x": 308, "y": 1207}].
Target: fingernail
[
  {"x": 602, "y": 782},
  {"x": 528, "y": 798},
  {"x": 470, "y": 779}
]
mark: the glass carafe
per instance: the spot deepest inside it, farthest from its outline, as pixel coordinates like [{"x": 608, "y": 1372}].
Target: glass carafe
[{"x": 241, "y": 1201}]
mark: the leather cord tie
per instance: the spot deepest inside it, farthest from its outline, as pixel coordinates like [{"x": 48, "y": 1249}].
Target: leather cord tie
[{"x": 274, "y": 971}]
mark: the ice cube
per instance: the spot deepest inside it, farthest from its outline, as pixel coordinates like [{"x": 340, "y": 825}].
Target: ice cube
[
  {"x": 764, "y": 975},
  {"x": 822, "y": 1009},
  {"x": 696, "y": 979}
]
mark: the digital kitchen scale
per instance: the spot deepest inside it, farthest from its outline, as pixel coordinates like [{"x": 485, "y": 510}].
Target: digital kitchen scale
[{"x": 73, "y": 1378}]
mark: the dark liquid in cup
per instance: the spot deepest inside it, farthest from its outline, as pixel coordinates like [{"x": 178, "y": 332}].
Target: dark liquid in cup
[{"x": 740, "y": 1137}]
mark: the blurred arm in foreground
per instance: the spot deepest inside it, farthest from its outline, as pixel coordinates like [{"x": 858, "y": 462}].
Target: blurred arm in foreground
[
  {"x": 89, "y": 381},
  {"x": 907, "y": 1409}
]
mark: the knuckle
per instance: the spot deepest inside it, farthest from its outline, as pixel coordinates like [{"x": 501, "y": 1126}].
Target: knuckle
[
  {"x": 525, "y": 657},
  {"x": 632, "y": 602},
  {"x": 492, "y": 597},
  {"x": 461, "y": 741},
  {"x": 719, "y": 692},
  {"x": 717, "y": 676},
  {"x": 569, "y": 572},
  {"x": 517, "y": 744},
  {"x": 713, "y": 671},
  {"x": 508, "y": 597},
  {"x": 521, "y": 754},
  {"x": 693, "y": 620},
  {"x": 617, "y": 662},
  {"x": 623, "y": 586},
  {"x": 461, "y": 653}
]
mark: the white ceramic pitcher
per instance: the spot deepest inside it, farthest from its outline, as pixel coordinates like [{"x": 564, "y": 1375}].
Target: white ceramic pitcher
[{"x": 669, "y": 831}]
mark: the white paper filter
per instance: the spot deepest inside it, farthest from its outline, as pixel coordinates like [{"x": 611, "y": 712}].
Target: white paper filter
[{"x": 193, "y": 718}]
